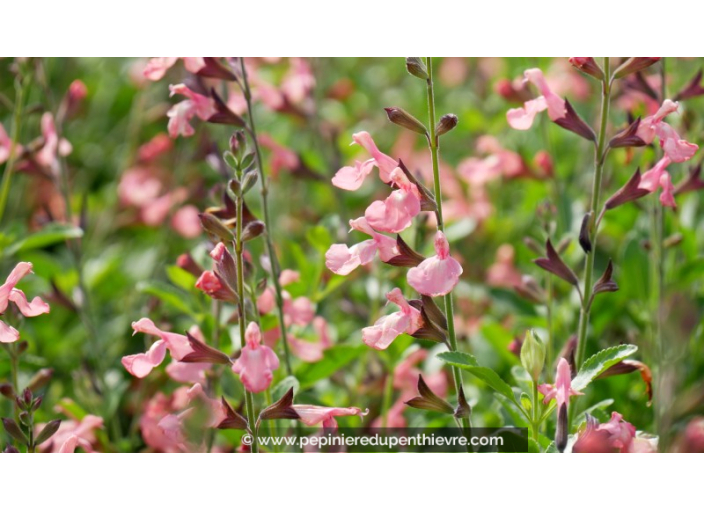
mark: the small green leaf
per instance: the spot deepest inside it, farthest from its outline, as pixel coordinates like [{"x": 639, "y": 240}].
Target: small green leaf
[
  {"x": 51, "y": 234},
  {"x": 468, "y": 363},
  {"x": 598, "y": 363},
  {"x": 283, "y": 386},
  {"x": 181, "y": 278},
  {"x": 167, "y": 294}
]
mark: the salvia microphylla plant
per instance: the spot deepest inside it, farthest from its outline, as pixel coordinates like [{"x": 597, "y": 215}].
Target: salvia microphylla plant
[{"x": 268, "y": 339}]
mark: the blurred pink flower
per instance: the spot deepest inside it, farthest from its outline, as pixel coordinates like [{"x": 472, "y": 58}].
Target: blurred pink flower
[
  {"x": 186, "y": 221},
  {"x": 53, "y": 146},
  {"x": 156, "y": 409},
  {"x": 675, "y": 148},
  {"x": 522, "y": 118},
  {"x": 73, "y": 433},
  {"x": 658, "y": 177},
  {"x": 438, "y": 275},
  {"x": 503, "y": 272},
  {"x": 299, "y": 311},
  {"x": 313, "y": 415},
  {"x": 282, "y": 158},
  {"x": 6, "y": 145},
  {"x": 256, "y": 363},
  {"x": 299, "y": 81},
  {"x": 181, "y": 113},
  {"x": 387, "y": 328},
  {"x": 157, "y": 66},
  {"x": 616, "y": 435},
  {"x": 343, "y": 260},
  {"x": 396, "y": 213}
]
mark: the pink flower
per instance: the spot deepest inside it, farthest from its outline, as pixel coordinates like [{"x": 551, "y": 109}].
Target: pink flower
[
  {"x": 313, "y": 415},
  {"x": 6, "y": 145},
  {"x": 351, "y": 178},
  {"x": 215, "y": 407},
  {"x": 343, "y": 260},
  {"x": 396, "y": 213},
  {"x": 617, "y": 435},
  {"x": 157, "y": 66},
  {"x": 503, "y": 272},
  {"x": 256, "y": 363},
  {"x": 675, "y": 148},
  {"x": 8, "y": 293},
  {"x": 522, "y": 118},
  {"x": 154, "y": 411},
  {"x": 299, "y": 311},
  {"x": 187, "y": 372},
  {"x": 299, "y": 80},
  {"x": 140, "y": 365},
  {"x": 186, "y": 222},
  {"x": 181, "y": 114},
  {"x": 46, "y": 156},
  {"x": 387, "y": 328},
  {"x": 73, "y": 433},
  {"x": 658, "y": 177},
  {"x": 438, "y": 275},
  {"x": 562, "y": 390},
  {"x": 281, "y": 157}
]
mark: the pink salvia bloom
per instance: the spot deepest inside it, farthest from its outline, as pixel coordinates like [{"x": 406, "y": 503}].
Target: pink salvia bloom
[
  {"x": 28, "y": 308},
  {"x": 256, "y": 363},
  {"x": 386, "y": 164},
  {"x": 675, "y": 148},
  {"x": 140, "y": 365},
  {"x": 156, "y": 67},
  {"x": 299, "y": 311},
  {"x": 8, "y": 293},
  {"x": 187, "y": 372},
  {"x": 8, "y": 334},
  {"x": 217, "y": 410},
  {"x": 83, "y": 430},
  {"x": 387, "y": 328},
  {"x": 396, "y": 213},
  {"x": 562, "y": 390},
  {"x": 313, "y": 415},
  {"x": 70, "y": 445},
  {"x": 438, "y": 275},
  {"x": 181, "y": 114},
  {"x": 522, "y": 118},
  {"x": 658, "y": 177},
  {"x": 6, "y": 145},
  {"x": 343, "y": 260},
  {"x": 178, "y": 345},
  {"x": 53, "y": 146},
  {"x": 351, "y": 178}
]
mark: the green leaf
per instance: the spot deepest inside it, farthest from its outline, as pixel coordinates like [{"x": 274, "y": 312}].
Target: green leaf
[
  {"x": 468, "y": 363},
  {"x": 333, "y": 360},
  {"x": 284, "y": 385},
  {"x": 181, "y": 278},
  {"x": 598, "y": 407},
  {"x": 51, "y": 234},
  {"x": 598, "y": 363},
  {"x": 168, "y": 295}
]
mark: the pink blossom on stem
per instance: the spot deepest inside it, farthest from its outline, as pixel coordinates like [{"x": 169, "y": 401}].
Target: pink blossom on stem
[
  {"x": 658, "y": 177},
  {"x": 562, "y": 390},
  {"x": 186, "y": 222},
  {"x": 157, "y": 66},
  {"x": 83, "y": 430},
  {"x": 351, "y": 178},
  {"x": 256, "y": 363},
  {"x": 178, "y": 345},
  {"x": 299, "y": 311},
  {"x": 181, "y": 113},
  {"x": 140, "y": 365},
  {"x": 313, "y": 415},
  {"x": 53, "y": 146},
  {"x": 343, "y": 260},
  {"x": 522, "y": 118},
  {"x": 387, "y": 328},
  {"x": 438, "y": 275},
  {"x": 8, "y": 293},
  {"x": 396, "y": 213},
  {"x": 675, "y": 148}
]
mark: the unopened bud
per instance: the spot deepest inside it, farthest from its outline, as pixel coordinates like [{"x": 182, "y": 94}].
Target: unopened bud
[
  {"x": 402, "y": 118},
  {"x": 248, "y": 182},
  {"x": 238, "y": 143},
  {"x": 633, "y": 65},
  {"x": 446, "y": 123},
  {"x": 215, "y": 227},
  {"x": 253, "y": 230},
  {"x": 533, "y": 354},
  {"x": 416, "y": 67},
  {"x": 588, "y": 66}
]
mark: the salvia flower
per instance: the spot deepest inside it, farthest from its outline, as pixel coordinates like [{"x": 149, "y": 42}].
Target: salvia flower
[
  {"x": 8, "y": 293},
  {"x": 562, "y": 390},
  {"x": 351, "y": 178},
  {"x": 342, "y": 260},
  {"x": 675, "y": 148},
  {"x": 616, "y": 435},
  {"x": 396, "y": 213},
  {"x": 522, "y": 118},
  {"x": 256, "y": 363},
  {"x": 386, "y": 329},
  {"x": 181, "y": 114},
  {"x": 438, "y": 275},
  {"x": 157, "y": 66},
  {"x": 658, "y": 177},
  {"x": 140, "y": 365},
  {"x": 313, "y": 415}
]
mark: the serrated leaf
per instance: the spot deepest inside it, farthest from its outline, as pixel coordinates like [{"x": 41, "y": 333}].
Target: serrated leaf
[
  {"x": 468, "y": 363},
  {"x": 51, "y": 234},
  {"x": 599, "y": 363}
]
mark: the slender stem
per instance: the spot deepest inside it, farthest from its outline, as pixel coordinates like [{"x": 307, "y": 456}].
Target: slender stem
[
  {"x": 21, "y": 86},
  {"x": 239, "y": 252},
  {"x": 599, "y": 157},
  {"x": 535, "y": 412},
  {"x": 271, "y": 252},
  {"x": 271, "y": 423},
  {"x": 386, "y": 402},
  {"x": 435, "y": 153},
  {"x": 548, "y": 307}
]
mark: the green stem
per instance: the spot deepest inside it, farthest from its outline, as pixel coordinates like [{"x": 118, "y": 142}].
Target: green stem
[
  {"x": 239, "y": 252},
  {"x": 535, "y": 412},
  {"x": 271, "y": 252},
  {"x": 386, "y": 402},
  {"x": 21, "y": 86},
  {"x": 435, "y": 153},
  {"x": 599, "y": 157},
  {"x": 548, "y": 307}
]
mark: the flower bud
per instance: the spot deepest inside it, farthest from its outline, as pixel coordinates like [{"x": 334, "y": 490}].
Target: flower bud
[
  {"x": 533, "y": 354},
  {"x": 215, "y": 227},
  {"x": 253, "y": 230},
  {"x": 402, "y": 118},
  {"x": 238, "y": 143},
  {"x": 633, "y": 65},
  {"x": 446, "y": 123},
  {"x": 588, "y": 66},
  {"x": 248, "y": 182},
  {"x": 416, "y": 67}
]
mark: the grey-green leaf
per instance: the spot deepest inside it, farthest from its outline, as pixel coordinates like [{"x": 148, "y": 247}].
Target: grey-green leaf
[
  {"x": 598, "y": 363},
  {"x": 468, "y": 363}
]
